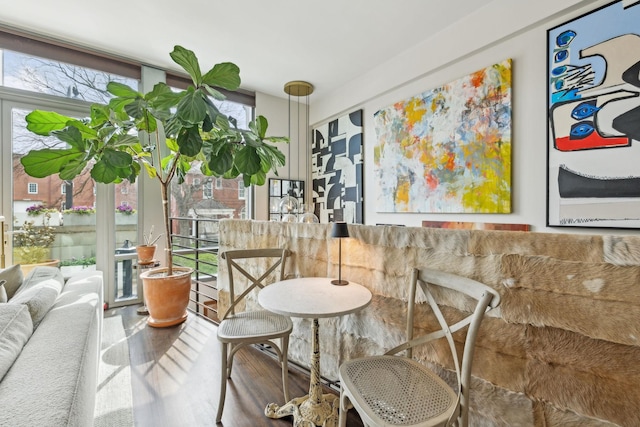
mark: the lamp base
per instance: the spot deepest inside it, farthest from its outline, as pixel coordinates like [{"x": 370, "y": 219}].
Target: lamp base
[{"x": 339, "y": 282}]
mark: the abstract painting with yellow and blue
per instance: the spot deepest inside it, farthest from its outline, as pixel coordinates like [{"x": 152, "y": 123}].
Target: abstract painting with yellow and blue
[{"x": 448, "y": 149}]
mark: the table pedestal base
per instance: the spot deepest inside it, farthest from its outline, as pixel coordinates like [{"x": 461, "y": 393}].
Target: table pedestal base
[{"x": 306, "y": 413}]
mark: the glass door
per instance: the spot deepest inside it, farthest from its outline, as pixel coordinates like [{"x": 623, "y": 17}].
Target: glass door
[{"x": 56, "y": 222}]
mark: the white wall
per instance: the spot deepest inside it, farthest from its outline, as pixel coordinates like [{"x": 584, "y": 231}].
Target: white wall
[{"x": 504, "y": 29}]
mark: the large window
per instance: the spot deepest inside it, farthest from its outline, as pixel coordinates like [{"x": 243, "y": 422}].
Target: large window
[
  {"x": 40, "y": 74},
  {"x": 213, "y": 197},
  {"x": 57, "y": 216}
]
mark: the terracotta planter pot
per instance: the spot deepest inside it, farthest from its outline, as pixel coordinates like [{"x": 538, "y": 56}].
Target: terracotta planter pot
[
  {"x": 26, "y": 268},
  {"x": 166, "y": 298},
  {"x": 145, "y": 253}
]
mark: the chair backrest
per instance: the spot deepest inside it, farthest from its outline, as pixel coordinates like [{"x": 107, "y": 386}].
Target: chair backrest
[
  {"x": 271, "y": 260},
  {"x": 484, "y": 298}
]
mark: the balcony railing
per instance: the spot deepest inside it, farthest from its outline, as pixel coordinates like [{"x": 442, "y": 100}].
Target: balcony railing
[{"x": 194, "y": 243}]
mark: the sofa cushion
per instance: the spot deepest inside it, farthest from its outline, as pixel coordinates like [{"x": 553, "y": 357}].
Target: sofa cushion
[
  {"x": 53, "y": 383},
  {"x": 3, "y": 291},
  {"x": 39, "y": 291},
  {"x": 40, "y": 274},
  {"x": 13, "y": 276},
  {"x": 16, "y": 328}
]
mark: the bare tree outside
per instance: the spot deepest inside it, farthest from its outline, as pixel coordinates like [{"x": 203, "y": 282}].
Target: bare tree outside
[{"x": 51, "y": 77}]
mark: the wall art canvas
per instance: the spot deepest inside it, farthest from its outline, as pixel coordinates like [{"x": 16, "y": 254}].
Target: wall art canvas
[
  {"x": 491, "y": 226},
  {"x": 593, "y": 95},
  {"x": 336, "y": 167},
  {"x": 448, "y": 149}
]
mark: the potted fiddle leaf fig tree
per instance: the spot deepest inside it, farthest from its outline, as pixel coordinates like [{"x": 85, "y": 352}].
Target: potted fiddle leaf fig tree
[{"x": 163, "y": 133}]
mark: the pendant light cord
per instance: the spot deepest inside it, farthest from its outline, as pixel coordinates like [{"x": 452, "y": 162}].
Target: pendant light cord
[{"x": 289, "y": 148}]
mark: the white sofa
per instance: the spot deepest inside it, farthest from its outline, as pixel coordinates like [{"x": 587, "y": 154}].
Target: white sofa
[{"x": 50, "y": 332}]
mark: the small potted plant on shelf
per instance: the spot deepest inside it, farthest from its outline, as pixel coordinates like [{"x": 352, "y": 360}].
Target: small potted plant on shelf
[
  {"x": 147, "y": 251},
  {"x": 32, "y": 245},
  {"x": 163, "y": 133}
]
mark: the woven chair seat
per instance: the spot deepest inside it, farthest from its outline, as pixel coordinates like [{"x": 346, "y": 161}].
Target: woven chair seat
[
  {"x": 395, "y": 393},
  {"x": 396, "y": 390},
  {"x": 260, "y": 324}
]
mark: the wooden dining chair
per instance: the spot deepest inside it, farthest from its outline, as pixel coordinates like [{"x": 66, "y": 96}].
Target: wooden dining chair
[
  {"x": 241, "y": 326},
  {"x": 396, "y": 390}
]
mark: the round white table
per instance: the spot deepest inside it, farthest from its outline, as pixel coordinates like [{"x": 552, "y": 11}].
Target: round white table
[{"x": 314, "y": 298}]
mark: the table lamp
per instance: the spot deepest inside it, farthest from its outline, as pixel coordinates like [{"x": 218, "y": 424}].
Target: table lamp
[{"x": 340, "y": 231}]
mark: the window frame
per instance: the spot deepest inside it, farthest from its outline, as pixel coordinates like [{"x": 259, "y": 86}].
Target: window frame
[{"x": 207, "y": 190}]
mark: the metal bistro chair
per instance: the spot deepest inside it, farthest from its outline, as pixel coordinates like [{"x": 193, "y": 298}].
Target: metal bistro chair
[
  {"x": 241, "y": 328},
  {"x": 394, "y": 390}
]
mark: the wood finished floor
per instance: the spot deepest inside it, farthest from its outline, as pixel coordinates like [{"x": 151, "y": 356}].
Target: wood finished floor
[{"x": 175, "y": 377}]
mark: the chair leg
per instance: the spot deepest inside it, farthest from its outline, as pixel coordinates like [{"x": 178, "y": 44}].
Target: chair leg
[
  {"x": 345, "y": 405},
  {"x": 229, "y": 365},
  {"x": 224, "y": 375},
  {"x": 284, "y": 356}
]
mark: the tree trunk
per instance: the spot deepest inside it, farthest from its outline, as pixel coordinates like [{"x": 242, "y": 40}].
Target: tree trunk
[{"x": 167, "y": 226}]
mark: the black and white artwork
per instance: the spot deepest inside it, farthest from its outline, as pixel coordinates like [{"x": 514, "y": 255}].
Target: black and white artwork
[{"x": 336, "y": 162}]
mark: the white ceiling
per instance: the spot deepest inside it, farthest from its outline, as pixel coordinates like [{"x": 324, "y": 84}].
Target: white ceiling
[{"x": 327, "y": 43}]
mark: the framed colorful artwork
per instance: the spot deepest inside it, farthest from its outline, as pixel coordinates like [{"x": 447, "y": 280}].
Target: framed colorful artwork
[
  {"x": 336, "y": 168},
  {"x": 490, "y": 226},
  {"x": 448, "y": 150},
  {"x": 593, "y": 107}
]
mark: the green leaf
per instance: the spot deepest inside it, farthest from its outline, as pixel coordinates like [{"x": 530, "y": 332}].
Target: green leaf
[
  {"x": 222, "y": 121},
  {"x": 252, "y": 139},
  {"x": 261, "y": 126},
  {"x": 225, "y": 75},
  {"x": 158, "y": 90},
  {"x": 188, "y": 61},
  {"x": 71, "y": 135},
  {"x": 222, "y": 160},
  {"x": 43, "y": 122},
  {"x": 151, "y": 171},
  {"x": 207, "y": 125},
  {"x": 258, "y": 178},
  {"x": 72, "y": 169},
  {"x": 164, "y": 100},
  {"x": 192, "y": 109},
  {"x": 99, "y": 113},
  {"x": 136, "y": 108},
  {"x": 277, "y": 139},
  {"x": 247, "y": 160},
  {"x": 86, "y": 131},
  {"x": 126, "y": 140},
  {"x": 102, "y": 172},
  {"x": 147, "y": 122},
  {"x": 116, "y": 159},
  {"x": 189, "y": 141},
  {"x": 215, "y": 93},
  {"x": 172, "y": 145},
  {"x": 122, "y": 91},
  {"x": 45, "y": 162},
  {"x": 119, "y": 104},
  {"x": 135, "y": 171}
]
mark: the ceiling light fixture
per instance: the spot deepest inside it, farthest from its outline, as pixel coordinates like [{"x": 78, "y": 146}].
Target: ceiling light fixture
[{"x": 289, "y": 206}]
